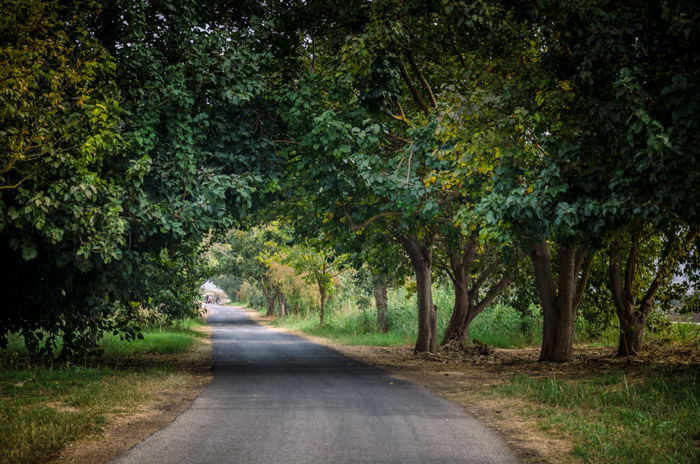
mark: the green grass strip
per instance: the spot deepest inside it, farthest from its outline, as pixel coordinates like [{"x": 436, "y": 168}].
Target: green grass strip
[{"x": 615, "y": 419}]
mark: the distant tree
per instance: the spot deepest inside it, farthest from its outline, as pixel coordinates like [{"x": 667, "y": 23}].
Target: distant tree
[
  {"x": 249, "y": 255},
  {"x": 320, "y": 265}
]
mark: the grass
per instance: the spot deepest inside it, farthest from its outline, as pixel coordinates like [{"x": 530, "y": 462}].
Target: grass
[
  {"x": 175, "y": 339},
  {"x": 680, "y": 332},
  {"x": 339, "y": 330},
  {"x": 651, "y": 418},
  {"x": 43, "y": 408}
]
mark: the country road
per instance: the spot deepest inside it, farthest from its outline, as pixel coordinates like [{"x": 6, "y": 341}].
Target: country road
[{"x": 277, "y": 398}]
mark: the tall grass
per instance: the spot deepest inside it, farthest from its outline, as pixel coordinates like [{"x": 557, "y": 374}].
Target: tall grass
[
  {"x": 499, "y": 326},
  {"x": 352, "y": 320},
  {"x": 177, "y": 337}
]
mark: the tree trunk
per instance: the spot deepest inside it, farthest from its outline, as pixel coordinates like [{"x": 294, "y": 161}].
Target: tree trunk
[
  {"x": 380, "y": 298},
  {"x": 559, "y": 302},
  {"x": 421, "y": 259},
  {"x": 322, "y": 293},
  {"x": 270, "y": 297},
  {"x": 632, "y": 321},
  {"x": 631, "y": 331},
  {"x": 456, "y": 331},
  {"x": 283, "y": 303},
  {"x": 467, "y": 305},
  {"x": 270, "y": 305}
]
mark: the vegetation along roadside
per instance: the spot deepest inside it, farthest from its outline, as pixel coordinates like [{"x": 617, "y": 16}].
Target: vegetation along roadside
[{"x": 90, "y": 411}]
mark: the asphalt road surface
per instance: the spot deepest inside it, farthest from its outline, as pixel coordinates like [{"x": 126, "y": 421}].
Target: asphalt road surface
[{"x": 277, "y": 398}]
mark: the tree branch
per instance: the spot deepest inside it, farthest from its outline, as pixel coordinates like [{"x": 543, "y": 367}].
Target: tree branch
[
  {"x": 485, "y": 275},
  {"x": 456, "y": 49},
  {"x": 583, "y": 281},
  {"x": 494, "y": 292},
  {"x": 414, "y": 91},
  {"x": 4, "y": 187},
  {"x": 369, "y": 221},
  {"x": 668, "y": 265},
  {"x": 424, "y": 82}
]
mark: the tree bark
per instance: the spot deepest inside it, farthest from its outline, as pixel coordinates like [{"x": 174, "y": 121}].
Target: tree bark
[
  {"x": 283, "y": 303},
  {"x": 270, "y": 305},
  {"x": 270, "y": 297},
  {"x": 560, "y": 299},
  {"x": 380, "y": 298},
  {"x": 421, "y": 78},
  {"x": 632, "y": 322},
  {"x": 460, "y": 267},
  {"x": 420, "y": 253},
  {"x": 414, "y": 91},
  {"x": 458, "y": 327},
  {"x": 632, "y": 325},
  {"x": 322, "y": 294}
]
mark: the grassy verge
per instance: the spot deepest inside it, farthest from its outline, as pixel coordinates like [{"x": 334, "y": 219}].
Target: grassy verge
[
  {"x": 652, "y": 417},
  {"x": 42, "y": 409},
  {"x": 179, "y": 338}
]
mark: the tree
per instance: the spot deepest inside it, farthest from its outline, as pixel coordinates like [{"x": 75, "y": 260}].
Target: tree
[
  {"x": 320, "y": 265},
  {"x": 132, "y": 132},
  {"x": 634, "y": 290},
  {"x": 386, "y": 263},
  {"x": 635, "y": 75},
  {"x": 374, "y": 132},
  {"x": 470, "y": 267},
  {"x": 63, "y": 181}
]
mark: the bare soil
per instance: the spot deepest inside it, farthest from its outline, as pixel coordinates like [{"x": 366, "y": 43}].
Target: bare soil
[
  {"x": 123, "y": 431},
  {"x": 467, "y": 376}
]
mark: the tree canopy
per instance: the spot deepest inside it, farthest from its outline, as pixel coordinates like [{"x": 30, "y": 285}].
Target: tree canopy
[{"x": 552, "y": 144}]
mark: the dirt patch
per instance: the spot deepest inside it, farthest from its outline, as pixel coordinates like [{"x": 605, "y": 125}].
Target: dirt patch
[
  {"x": 466, "y": 378},
  {"x": 124, "y": 431}
]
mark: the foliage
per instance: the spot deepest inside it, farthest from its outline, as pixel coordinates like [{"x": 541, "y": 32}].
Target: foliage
[
  {"x": 318, "y": 265},
  {"x": 356, "y": 324},
  {"x": 132, "y": 131},
  {"x": 135, "y": 134},
  {"x": 65, "y": 183},
  {"x": 229, "y": 284}
]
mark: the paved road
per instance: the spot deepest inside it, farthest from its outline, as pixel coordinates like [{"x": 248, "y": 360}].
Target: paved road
[{"x": 276, "y": 398}]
